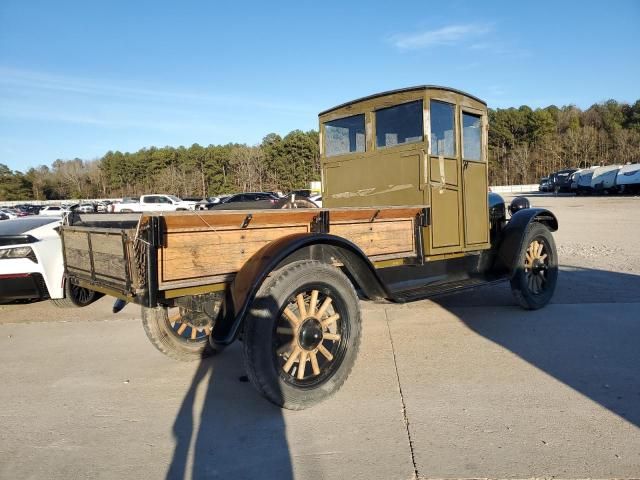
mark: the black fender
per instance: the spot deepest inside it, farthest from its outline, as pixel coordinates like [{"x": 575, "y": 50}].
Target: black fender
[
  {"x": 314, "y": 246},
  {"x": 512, "y": 236}
]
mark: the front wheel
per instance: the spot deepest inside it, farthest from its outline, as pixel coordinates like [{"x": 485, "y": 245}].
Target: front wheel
[
  {"x": 536, "y": 272},
  {"x": 302, "y": 334}
]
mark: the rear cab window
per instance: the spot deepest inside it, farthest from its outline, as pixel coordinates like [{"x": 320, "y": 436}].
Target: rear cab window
[
  {"x": 345, "y": 135},
  {"x": 399, "y": 124}
]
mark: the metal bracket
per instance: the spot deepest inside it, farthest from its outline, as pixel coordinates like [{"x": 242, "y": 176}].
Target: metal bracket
[
  {"x": 246, "y": 221},
  {"x": 320, "y": 223}
]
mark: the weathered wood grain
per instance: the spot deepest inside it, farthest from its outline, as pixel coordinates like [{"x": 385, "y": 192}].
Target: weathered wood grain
[
  {"x": 201, "y": 254},
  {"x": 379, "y": 238}
]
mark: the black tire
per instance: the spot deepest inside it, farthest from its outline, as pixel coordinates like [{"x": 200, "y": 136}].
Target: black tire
[
  {"x": 267, "y": 319},
  {"x": 168, "y": 338},
  {"x": 76, "y": 296},
  {"x": 536, "y": 272}
]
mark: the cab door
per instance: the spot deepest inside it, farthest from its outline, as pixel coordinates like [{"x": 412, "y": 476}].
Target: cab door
[
  {"x": 445, "y": 233},
  {"x": 474, "y": 178}
]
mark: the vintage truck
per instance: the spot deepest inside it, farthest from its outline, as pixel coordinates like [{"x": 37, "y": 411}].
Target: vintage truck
[{"x": 406, "y": 217}]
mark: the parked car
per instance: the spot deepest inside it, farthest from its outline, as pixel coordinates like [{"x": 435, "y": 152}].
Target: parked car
[
  {"x": 103, "y": 206},
  {"x": 560, "y": 182},
  {"x": 628, "y": 179},
  {"x": 317, "y": 199},
  {"x": 153, "y": 203},
  {"x": 544, "y": 185},
  {"x": 247, "y": 200},
  {"x": 53, "y": 211},
  {"x": 9, "y": 213},
  {"x": 86, "y": 208},
  {"x": 31, "y": 264}
]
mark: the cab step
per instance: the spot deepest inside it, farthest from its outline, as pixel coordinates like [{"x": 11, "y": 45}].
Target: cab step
[{"x": 427, "y": 291}]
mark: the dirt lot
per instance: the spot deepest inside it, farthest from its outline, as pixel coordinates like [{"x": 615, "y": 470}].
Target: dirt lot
[{"x": 465, "y": 386}]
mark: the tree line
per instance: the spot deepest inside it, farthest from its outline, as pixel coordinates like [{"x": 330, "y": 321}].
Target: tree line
[{"x": 524, "y": 145}]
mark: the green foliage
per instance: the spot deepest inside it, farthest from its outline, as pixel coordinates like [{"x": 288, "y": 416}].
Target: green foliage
[{"x": 524, "y": 145}]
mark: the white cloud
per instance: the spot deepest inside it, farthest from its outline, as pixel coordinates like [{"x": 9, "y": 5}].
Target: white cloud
[
  {"x": 449, "y": 35},
  {"x": 27, "y": 81}
]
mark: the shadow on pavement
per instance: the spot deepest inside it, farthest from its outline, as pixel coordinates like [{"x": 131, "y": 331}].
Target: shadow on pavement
[
  {"x": 230, "y": 431},
  {"x": 592, "y": 349}
]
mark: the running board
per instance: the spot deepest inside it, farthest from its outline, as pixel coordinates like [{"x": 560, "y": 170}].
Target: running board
[{"x": 428, "y": 291}]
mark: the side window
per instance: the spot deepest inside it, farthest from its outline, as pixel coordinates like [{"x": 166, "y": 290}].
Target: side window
[
  {"x": 163, "y": 200},
  {"x": 471, "y": 136},
  {"x": 443, "y": 139},
  {"x": 344, "y": 135},
  {"x": 399, "y": 124},
  {"x": 150, "y": 199}
]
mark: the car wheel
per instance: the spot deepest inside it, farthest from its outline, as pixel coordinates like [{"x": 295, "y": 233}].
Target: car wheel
[
  {"x": 302, "y": 334},
  {"x": 536, "y": 272},
  {"x": 76, "y": 296}
]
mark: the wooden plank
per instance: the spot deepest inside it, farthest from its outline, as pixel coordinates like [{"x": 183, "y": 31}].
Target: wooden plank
[
  {"x": 110, "y": 265},
  {"x": 201, "y": 254},
  {"x": 234, "y": 219},
  {"x": 78, "y": 258},
  {"x": 108, "y": 244},
  {"x": 76, "y": 240},
  {"x": 379, "y": 238}
]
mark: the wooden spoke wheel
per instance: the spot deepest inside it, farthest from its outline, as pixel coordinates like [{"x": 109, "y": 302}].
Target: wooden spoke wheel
[
  {"x": 302, "y": 334},
  {"x": 177, "y": 333},
  {"x": 536, "y": 266},
  {"x": 187, "y": 328},
  {"x": 536, "y": 271},
  {"x": 309, "y": 342}
]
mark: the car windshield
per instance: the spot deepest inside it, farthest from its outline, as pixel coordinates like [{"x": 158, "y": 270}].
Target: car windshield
[{"x": 174, "y": 198}]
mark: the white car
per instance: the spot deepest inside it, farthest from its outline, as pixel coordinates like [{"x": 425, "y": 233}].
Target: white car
[
  {"x": 53, "y": 211},
  {"x": 31, "y": 264},
  {"x": 9, "y": 213},
  {"x": 317, "y": 199}
]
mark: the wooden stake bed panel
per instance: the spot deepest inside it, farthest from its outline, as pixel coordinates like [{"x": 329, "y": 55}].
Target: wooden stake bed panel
[
  {"x": 189, "y": 255},
  {"x": 96, "y": 255},
  {"x": 201, "y": 246},
  {"x": 385, "y": 237}
]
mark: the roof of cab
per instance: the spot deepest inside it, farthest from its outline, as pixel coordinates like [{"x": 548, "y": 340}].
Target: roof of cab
[{"x": 401, "y": 90}]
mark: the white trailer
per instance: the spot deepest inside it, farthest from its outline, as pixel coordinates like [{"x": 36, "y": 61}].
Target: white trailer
[
  {"x": 604, "y": 179},
  {"x": 628, "y": 179}
]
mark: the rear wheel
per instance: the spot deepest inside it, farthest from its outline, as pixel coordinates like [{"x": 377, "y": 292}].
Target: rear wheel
[
  {"x": 76, "y": 296},
  {"x": 536, "y": 272},
  {"x": 302, "y": 334},
  {"x": 178, "y": 333}
]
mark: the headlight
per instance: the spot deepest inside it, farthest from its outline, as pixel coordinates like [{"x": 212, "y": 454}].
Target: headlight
[{"x": 19, "y": 252}]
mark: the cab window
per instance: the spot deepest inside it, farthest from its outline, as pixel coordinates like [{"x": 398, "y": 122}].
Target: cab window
[
  {"x": 443, "y": 139},
  {"x": 344, "y": 135},
  {"x": 471, "y": 136},
  {"x": 399, "y": 124}
]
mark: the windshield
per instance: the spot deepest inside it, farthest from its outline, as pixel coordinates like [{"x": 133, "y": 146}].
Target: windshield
[{"x": 174, "y": 198}]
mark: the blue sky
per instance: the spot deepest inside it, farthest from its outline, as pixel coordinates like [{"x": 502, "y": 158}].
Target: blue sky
[{"x": 80, "y": 78}]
